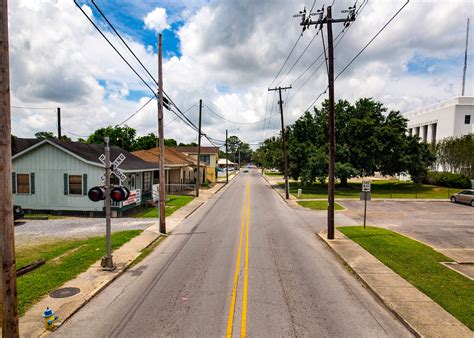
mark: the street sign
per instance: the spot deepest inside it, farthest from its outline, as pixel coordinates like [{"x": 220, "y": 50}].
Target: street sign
[
  {"x": 114, "y": 167},
  {"x": 366, "y": 186}
]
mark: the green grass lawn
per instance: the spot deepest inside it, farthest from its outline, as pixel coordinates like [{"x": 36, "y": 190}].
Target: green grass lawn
[
  {"x": 380, "y": 189},
  {"x": 65, "y": 260},
  {"x": 173, "y": 203},
  {"x": 273, "y": 174},
  {"x": 319, "y": 205},
  {"x": 33, "y": 216},
  {"x": 419, "y": 265}
]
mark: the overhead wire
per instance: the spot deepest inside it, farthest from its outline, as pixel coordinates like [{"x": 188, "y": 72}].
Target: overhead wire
[{"x": 184, "y": 118}]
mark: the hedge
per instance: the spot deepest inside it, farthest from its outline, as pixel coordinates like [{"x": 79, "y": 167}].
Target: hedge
[{"x": 446, "y": 179}]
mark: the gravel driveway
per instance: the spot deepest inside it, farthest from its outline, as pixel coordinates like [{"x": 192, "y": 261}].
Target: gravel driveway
[{"x": 29, "y": 232}]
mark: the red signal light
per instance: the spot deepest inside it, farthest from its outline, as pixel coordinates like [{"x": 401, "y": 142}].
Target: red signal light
[
  {"x": 96, "y": 194},
  {"x": 119, "y": 194}
]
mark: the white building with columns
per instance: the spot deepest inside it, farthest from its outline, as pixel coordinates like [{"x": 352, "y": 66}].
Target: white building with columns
[{"x": 453, "y": 117}]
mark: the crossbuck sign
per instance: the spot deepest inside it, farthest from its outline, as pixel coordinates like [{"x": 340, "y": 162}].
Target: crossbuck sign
[{"x": 114, "y": 167}]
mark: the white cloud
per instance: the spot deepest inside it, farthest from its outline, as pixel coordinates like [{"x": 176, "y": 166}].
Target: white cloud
[
  {"x": 156, "y": 20},
  {"x": 230, "y": 52}
]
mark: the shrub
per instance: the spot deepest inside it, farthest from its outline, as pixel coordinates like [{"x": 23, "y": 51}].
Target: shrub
[{"x": 446, "y": 179}]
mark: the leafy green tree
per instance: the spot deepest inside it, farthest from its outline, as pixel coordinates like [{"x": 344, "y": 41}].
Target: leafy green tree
[
  {"x": 368, "y": 139},
  {"x": 123, "y": 137},
  {"x": 170, "y": 142},
  {"x": 456, "y": 154},
  {"x": 47, "y": 134},
  {"x": 44, "y": 134},
  {"x": 192, "y": 144}
]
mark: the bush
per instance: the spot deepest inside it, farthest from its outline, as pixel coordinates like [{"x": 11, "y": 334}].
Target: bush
[{"x": 446, "y": 179}]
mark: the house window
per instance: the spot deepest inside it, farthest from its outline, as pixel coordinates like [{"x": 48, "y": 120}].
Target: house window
[
  {"x": 147, "y": 178},
  {"x": 23, "y": 183},
  {"x": 467, "y": 119},
  {"x": 75, "y": 184},
  {"x": 205, "y": 158}
]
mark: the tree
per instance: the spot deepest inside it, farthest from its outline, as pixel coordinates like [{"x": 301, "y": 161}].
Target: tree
[
  {"x": 145, "y": 142},
  {"x": 192, "y": 144},
  {"x": 368, "y": 139},
  {"x": 44, "y": 134},
  {"x": 123, "y": 137},
  {"x": 170, "y": 142},
  {"x": 456, "y": 154},
  {"x": 47, "y": 134}
]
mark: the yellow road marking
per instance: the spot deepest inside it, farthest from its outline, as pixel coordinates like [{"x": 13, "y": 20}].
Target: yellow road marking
[
  {"x": 243, "y": 331},
  {"x": 230, "y": 320}
]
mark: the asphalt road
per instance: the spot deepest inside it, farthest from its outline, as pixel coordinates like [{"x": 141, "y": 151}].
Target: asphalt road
[{"x": 287, "y": 283}]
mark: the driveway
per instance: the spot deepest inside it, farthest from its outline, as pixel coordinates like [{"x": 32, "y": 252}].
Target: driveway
[
  {"x": 447, "y": 227},
  {"x": 36, "y": 231}
]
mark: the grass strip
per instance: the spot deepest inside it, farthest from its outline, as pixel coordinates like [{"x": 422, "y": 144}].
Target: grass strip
[
  {"x": 48, "y": 216},
  {"x": 380, "y": 189},
  {"x": 64, "y": 261},
  {"x": 420, "y": 265},
  {"x": 173, "y": 203},
  {"x": 319, "y": 205}
]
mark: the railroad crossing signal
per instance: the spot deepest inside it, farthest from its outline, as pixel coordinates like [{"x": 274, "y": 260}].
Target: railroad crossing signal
[{"x": 114, "y": 167}]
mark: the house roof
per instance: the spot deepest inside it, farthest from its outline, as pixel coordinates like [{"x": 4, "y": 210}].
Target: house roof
[
  {"x": 20, "y": 144},
  {"x": 194, "y": 150},
  {"x": 91, "y": 153},
  {"x": 222, "y": 161},
  {"x": 172, "y": 157}
]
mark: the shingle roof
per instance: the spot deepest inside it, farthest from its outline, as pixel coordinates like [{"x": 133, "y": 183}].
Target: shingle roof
[
  {"x": 92, "y": 152},
  {"x": 20, "y": 144},
  {"x": 88, "y": 152},
  {"x": 172, "y": 157},
  {"x": 194, "y": 150}
]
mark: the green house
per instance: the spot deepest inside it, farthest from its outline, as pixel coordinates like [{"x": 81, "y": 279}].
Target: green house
[{"x": 54, "y": 176}]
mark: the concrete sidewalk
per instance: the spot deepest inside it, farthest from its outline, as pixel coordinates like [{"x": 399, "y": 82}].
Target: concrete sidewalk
[
  {"x": 416, "y": 310},
  {"x": 93, "y": 280}
]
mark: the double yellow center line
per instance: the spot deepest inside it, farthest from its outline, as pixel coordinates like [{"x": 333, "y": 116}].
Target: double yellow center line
[{"x": 245, "y": 225}]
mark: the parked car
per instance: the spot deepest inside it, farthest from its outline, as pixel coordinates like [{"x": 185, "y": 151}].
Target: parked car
[
  {"x": 18, "y": 212},
  {"x": 465, "y": 196}
]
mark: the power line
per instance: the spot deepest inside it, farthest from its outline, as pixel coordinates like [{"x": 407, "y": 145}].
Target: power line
[
  {"x": 184, "y": 118},
  {"x": 136, "y": 112},
  {"x": 286, "y": 60},
  {"x": 34, "y": 108},
  {"x": 371, "y": 40}
]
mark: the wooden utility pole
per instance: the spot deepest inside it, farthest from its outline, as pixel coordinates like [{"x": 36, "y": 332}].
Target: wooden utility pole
[
  {"x": 7, "y": 241},
  {"x": 198, "y": 182},
  {"x": 328, "y": 21},
  {"x": 283, "y": 140},
  {"x": 161, "y": 138},
  {"x": 59, "y": 123},
  {"x": 331, "y": 123},
  {"x": 226, "y": 156}
]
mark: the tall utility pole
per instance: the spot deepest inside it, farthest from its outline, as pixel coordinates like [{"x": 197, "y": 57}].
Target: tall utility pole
[
  {"x": 283, "y": 139},
  {"x": 199, "y": 151},
  {"x": 161, "y": 138},
  {"x": 59, "y": 123},
  {"x": 465, "y": 60},
  {"x": 107, "y": 262},
  {"x": 226, "y": 156},
  {"x": 328, "y": 21},
  {"x": 7, "y": 242}
]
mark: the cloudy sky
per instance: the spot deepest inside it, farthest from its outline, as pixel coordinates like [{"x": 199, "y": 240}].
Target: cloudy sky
[{"x": 228, "y": 53}]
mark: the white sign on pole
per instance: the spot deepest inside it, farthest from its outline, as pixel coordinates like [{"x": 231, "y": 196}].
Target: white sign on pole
[
  {"x": 115, "y": 164},
  {"x": 366, "y": 186}
]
